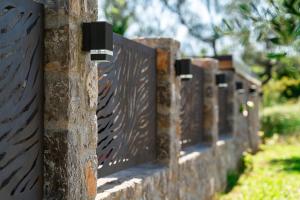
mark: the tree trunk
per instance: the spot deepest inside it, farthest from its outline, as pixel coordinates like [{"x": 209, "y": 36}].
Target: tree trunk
[{"x": 214, "y": 46}]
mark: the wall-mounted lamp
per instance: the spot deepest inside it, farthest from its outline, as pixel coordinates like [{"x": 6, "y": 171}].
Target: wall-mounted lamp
[
  {"x": 239, "y": 86},
  {"x": 221, "y": 80},
  {"x": 183, "y": 68},
  {"x": 98, "y": 40},
  {"x": 261, "y": 94},
  {"x": 252, "y": 89}
]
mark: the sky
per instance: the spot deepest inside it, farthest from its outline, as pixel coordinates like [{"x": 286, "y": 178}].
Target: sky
[{"x": 156, "y": 15}]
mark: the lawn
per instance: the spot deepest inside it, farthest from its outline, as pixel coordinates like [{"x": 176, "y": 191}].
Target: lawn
[{"x": 274, "y": 173}]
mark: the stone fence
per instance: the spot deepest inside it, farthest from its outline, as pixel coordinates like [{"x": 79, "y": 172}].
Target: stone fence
[
  {"x": 133, "y": 129},
  {"x": 229, "y": 124}
]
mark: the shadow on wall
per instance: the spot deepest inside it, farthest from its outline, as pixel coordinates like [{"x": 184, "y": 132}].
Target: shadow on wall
[{"x": 291, "y": 165}]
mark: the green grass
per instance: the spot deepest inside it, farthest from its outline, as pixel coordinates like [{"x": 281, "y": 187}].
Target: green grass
[
  {"x": 281, "y": 119},
  {"x": 274, "y": 173}
]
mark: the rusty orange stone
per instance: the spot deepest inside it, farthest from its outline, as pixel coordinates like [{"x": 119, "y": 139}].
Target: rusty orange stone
[
  {"x": 91, "y": 182},
  {"x": 163, "y": 60},
  {"x": 225, "y": 65}
]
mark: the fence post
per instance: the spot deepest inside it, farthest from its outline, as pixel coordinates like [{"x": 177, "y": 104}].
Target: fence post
[
  {"x": 168, "y": 107},
  {"x": 230, "y": 102},
  {"x": 211, "y": 111},
  {"x": 226, "y": 66},
  {"x": 70, "y": 162},
  {"x": 253, "y": 117},
  {"x": 241, "y": 122}
]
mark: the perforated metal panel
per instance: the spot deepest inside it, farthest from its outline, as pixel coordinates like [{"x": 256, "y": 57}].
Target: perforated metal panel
[
  {"x": 192, "y": 108},
  {"x": 21, "y": 93},
  {"x": 223, "y": 111},
  {"x": 241, "y": 101},
  {"x": 126, "y": 107}
]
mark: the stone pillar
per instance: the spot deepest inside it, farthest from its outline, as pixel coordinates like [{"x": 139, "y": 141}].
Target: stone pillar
[
  {"x": 70, "y": 162},
  {"x": 230, "y": 101},
  {"x": 253, "y": 117},
  {"x": 241, "y": 122},
  {"x": 168, "y": 108},
  {"x": 211, "y": 111}
]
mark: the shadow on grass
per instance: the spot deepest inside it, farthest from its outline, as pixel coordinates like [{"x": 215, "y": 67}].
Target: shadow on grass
[
  {"x": 289, "y": 164},
  {"x": 232, "y": 180},
  {"x": 233, "y": 176}
]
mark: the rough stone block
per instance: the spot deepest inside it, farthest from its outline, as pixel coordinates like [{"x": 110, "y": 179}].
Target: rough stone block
[
  {"x": 211, "y": 113},
  {"x": 71, "y": 91}
]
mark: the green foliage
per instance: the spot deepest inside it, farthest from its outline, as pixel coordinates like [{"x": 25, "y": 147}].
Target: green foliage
[
  {"x": 280, "y": 78},
  {"x": 281, "y": 91},
  {"x": 276, "y": 21},
  {"x": 276, "y": 55},
  {"x": 281, "y": 119},
  {"x": 288, "y": 67},
  {"x": 275, "y": 173},
  {"x": 247, "y": 162},
  {"x": 120, "y": 14}
]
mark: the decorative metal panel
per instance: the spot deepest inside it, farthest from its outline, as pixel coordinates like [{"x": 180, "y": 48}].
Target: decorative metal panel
[
  {"x": 223, "y": 111},
  {"x": 21, "y": 93},
  {"x": 241, "y": 119},
  {"x": 126, "y": 107},
  {"x": 192, "y": 108}
]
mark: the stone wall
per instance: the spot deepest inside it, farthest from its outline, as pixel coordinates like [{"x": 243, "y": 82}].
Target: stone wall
[
  {"x": 203, "y": 171},
  {"x": 194, "y": 173},
  {"x": 70, "y": 160},
  {"x": 70, "y": 122},
  {"x": 253, "y": 116}
]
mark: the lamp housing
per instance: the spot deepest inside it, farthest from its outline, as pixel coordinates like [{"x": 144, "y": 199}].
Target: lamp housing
[
  {"x": 221, "y": 80},
  {"x": 252, "y": 89},
  {"x": 183, "y": 69},
  {"x": 261, "y": 94},
  {"x": 98, "y": 40},
  {"x": 239, "y": 86}
]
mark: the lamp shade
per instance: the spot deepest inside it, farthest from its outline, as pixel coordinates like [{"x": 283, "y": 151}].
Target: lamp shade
[
  {"x": 183, "y": 69},
  {"x": 252, "y": 89},
  {"x": 261, "y": 94},
  {"x": 239, "y": 86},
  {"x": 98, "y": 40},
  {"x": 221, "y": 80}
]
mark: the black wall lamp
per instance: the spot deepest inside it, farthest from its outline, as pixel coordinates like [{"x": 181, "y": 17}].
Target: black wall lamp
[
  {"x": 252, "y": 89},
  {"x": 183, "y": 69},
  {"x": 221, "y": 80},
  {"x": 261, "y": 94},
  {"x": 239, "y": 87},
  {"x": 98, "y": 40}
]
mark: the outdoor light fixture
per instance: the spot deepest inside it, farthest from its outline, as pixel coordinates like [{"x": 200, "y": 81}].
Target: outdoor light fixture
[
  {"x": 252, "y": 89},
  {"x": 221, "y": 80},
  {"x": 98, "y": 40},
  {"x": 239, "y": 87},
  {"x": 183, "y": 68},
  {"x": 261, "y": 94}
]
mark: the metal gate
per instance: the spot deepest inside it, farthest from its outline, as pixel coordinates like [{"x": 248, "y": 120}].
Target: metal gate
[
  {"x": 126, "y": 107},
  {"x": 21, "y": 117},
  {"x": 192, "y": 108}
]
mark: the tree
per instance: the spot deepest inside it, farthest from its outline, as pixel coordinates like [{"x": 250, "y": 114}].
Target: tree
[
  {"x": 206, "y": 32},
  {"x": 267, "y": 69},
  {"x": 120, "y": 13},
  {"x": 275, "y": 22},
  {"x": 273, "y": 25}
]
